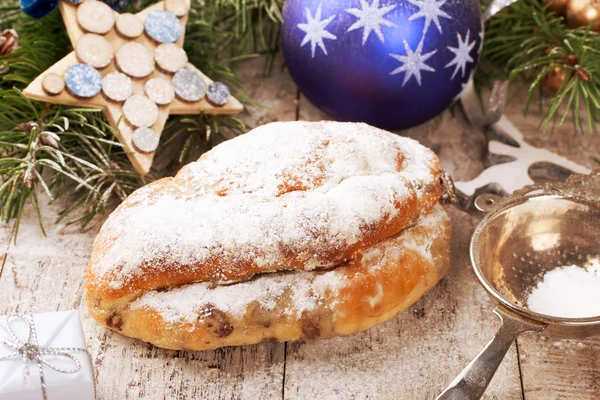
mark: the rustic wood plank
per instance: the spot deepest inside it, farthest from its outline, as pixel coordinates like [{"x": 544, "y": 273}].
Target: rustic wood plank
[
  {"x": 560, "y": 369},
  {"x": 415, "y": 355},
  {"x": 274, "y": 95},
  {"x": 44, "y": 273}
]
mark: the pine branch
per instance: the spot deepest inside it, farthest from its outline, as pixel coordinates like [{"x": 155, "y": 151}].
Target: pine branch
[
  {"x": 42, "y": 43},
  {"x": 527, "y": 40},
  {"x": 72, "y": 153},
  {"x": 66, "y": 154}
]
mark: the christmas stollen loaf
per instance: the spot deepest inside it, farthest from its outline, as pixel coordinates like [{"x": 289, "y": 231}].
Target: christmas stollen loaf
[{"x": 295, "y": 230}]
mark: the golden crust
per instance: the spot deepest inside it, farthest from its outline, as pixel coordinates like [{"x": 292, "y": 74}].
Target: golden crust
[
  {"x": 310, "y": 190},
  {"x": 377, "y": 285},
  {"x": 317, "y": 213}
]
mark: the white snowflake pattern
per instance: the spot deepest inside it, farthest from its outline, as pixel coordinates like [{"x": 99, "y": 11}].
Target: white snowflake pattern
[
  {"x": 462, "y": 54},
  {"x": 431, "y": 10},
  {"x": 315, "y": 30},
  {"x": 370, "y": 18},
  {"x": 413, "y": 63}
]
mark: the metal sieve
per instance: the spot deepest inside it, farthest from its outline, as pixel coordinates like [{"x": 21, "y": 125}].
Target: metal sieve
[{"x": 523, "y": 236}]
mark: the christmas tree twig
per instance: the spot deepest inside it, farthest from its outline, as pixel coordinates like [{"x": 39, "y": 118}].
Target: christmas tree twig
[
  {"x": 70, "y": 153},
  {"x": 528, "y": 40}
]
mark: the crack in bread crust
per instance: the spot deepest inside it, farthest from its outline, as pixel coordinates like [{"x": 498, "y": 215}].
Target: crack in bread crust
[
  {"x": 297, "y": 197},
  {"x": 222, "y": 218},
  {"x": 381, "y": 282}
]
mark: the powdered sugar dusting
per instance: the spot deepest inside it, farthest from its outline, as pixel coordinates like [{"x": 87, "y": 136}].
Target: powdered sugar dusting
[
  {"x": 421, "y": 245},
  {"x": 306, "y": 290},
  {"x": 315, "y": 156},
  {"x": 213, "y": 225},
  {"x": 306, "y": 189}
]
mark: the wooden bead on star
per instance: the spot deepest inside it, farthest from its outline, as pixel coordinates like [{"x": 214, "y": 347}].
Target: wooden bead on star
[
  {"x": 95, "y": 17},
  {"x": 94, "y": 50},
  {"x": 129, "y": 25},
  {"x": 53, "y": 84}
]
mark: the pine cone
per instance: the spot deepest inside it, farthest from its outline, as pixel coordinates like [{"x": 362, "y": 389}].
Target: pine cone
[{"x": 9, "y": 41}]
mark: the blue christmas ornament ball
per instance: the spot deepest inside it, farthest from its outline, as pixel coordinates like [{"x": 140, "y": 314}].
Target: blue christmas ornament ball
[
  {"x": 391, "y": 63},
  {"x": 37, "y": 8}
]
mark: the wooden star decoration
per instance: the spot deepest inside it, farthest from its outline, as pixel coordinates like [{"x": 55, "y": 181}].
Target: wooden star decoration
[{"x": 113, "y": 109}]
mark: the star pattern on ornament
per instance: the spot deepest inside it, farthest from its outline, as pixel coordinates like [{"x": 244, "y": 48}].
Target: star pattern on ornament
[
  {"x": 431, "y": 10},
  {"x": 462, "y": 54},
  {"x": 370, "y": 18},
  {"x": 413, "y": 63},
  {"x": 315, "y": 30}
]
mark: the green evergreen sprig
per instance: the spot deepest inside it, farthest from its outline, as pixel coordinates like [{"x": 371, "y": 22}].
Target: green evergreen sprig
[
  {"x": 72, "y": 153},
  {"x": 69, "y": 153},
  {"x": 528, "y": 40}
]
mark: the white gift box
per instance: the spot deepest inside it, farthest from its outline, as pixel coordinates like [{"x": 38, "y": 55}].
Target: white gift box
[{"x": 53, "y": 330}]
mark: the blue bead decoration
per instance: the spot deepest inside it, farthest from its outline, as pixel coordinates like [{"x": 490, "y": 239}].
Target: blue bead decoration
[
  {"x": 391, "y": 63},
  {"x": 162, "y": 26},
  {"x": 37, "y": 8},
  {"x": 83, "y": 80},
  {"x": 218, "y": 93}
]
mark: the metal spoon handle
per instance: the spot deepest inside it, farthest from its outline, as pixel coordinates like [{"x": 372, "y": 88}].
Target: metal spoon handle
[{"x": 471, "y": 383}]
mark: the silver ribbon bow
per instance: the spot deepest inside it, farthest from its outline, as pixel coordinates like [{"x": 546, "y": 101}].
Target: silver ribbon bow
[{"x": 30, "y": 351}]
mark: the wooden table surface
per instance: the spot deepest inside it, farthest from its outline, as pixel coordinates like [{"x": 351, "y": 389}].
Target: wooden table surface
[{"x": 413, "y": 356}]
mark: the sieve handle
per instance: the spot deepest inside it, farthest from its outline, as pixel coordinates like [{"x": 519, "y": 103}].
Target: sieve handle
[{"x": 475, "y": 378}]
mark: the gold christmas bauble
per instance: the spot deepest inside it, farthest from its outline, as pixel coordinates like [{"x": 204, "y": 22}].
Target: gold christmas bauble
[
  {"x": 559, "y": 7},
  {"x": 584, "y": 12},
  {"x": 554, "y": 79}
]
